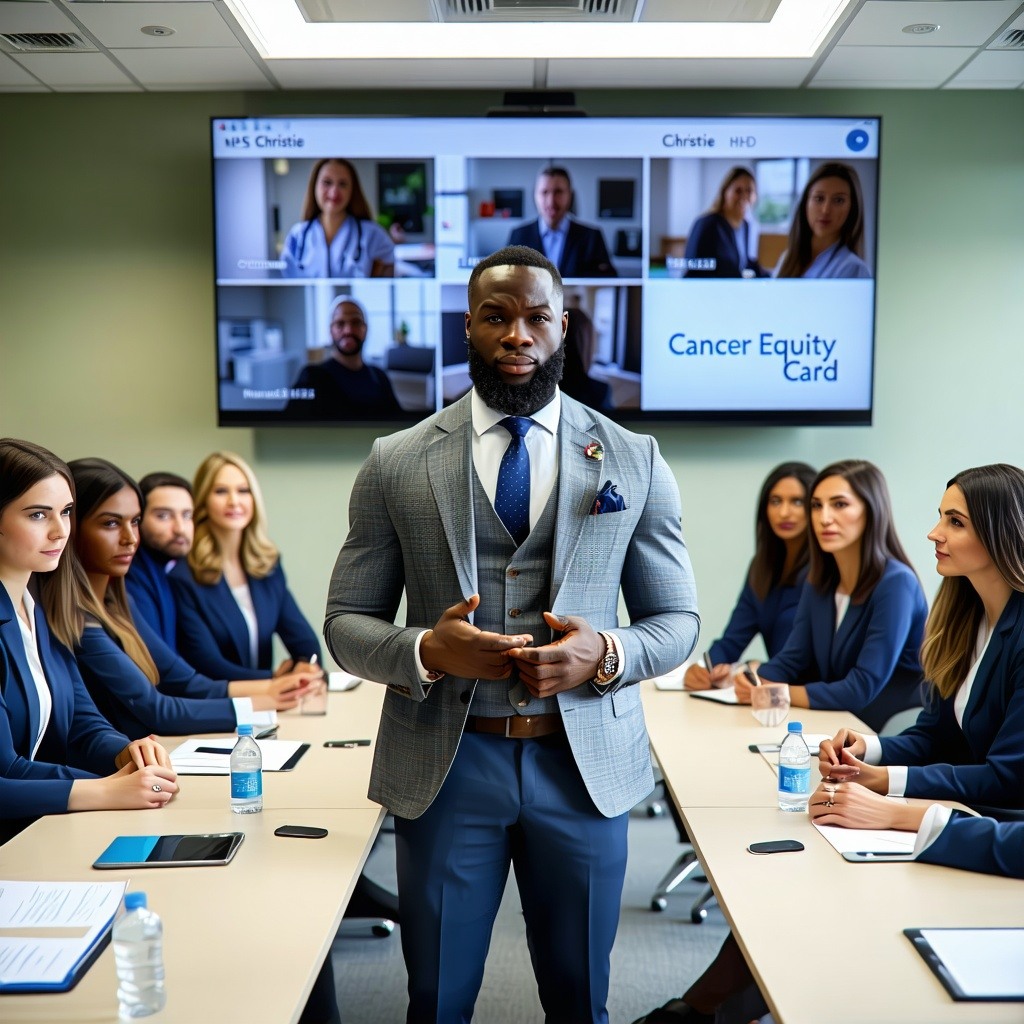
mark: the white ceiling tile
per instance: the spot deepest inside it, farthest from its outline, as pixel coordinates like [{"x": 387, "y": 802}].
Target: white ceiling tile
[
  {"x": 991, "y": 66},
  {"x": 83, "y": 72},
  {"x": 194, "y": 69},
  {"x": 403, "y": 74},
  {"x": 961, "y": 22},
  {"x": 894, "y": 67},
  {"x": 673, "y": 74},
  {"x": 118, "y": 25},
  {"x": 33, "y": 17},
  {"x": 14, "y": 78}
]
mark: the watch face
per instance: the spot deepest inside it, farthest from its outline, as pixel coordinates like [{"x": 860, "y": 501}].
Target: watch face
[{"x": 611, "y": 663}]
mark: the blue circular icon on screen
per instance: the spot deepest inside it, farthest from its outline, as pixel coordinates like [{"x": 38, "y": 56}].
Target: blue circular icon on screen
[{"x": 857, "y": 139}]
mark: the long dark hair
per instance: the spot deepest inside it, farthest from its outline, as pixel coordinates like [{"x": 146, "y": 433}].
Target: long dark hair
[
  {"x": 97, "y": 480},
  {"x": 739, "y": 171},
  {"x": 358, "y": 205},
  {"x": 878, "y": 543},
  {"x": 995, "y": 504},
  {"x": 798, "y": 253},
  {"x": 22, "y": 465},
  {"x": 769, "y": 561}
]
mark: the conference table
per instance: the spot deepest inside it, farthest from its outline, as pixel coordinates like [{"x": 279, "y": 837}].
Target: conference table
[
  {"x": 823, "y": 936},
  {"x": 242, "y": 942}
]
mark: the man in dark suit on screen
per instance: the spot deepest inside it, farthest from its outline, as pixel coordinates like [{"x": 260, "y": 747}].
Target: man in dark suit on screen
[{"x": 576, "y": 249}]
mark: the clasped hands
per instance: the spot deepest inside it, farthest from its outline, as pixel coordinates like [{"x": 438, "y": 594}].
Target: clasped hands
[
  {"x": 457, "y": 647},
  {"x": 860, "y": 804}
]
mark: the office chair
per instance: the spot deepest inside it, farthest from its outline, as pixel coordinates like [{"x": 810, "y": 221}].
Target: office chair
[{"x": 686, "y": 864}]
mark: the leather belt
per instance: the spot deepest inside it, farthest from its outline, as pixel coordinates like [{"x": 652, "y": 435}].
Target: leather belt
[{"x": 516, "y": 727}]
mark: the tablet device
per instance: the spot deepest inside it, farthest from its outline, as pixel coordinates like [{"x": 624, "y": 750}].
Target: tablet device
[{"x": 170, "y": 851}]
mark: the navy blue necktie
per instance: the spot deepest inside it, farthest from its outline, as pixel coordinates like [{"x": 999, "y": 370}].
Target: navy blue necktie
[{"x": 512, "y": 495}]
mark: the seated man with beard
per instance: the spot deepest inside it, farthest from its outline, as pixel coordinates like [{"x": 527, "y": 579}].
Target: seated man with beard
[{"x": 344, "y": 387}]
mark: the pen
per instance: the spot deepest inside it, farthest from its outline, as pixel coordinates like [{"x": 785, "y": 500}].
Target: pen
[
  {"x": 751, "y": 675},
  {"x": 707, "y": 661}
]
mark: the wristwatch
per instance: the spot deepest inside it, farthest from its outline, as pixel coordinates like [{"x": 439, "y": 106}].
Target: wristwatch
[{"x": 608, "y": 666}]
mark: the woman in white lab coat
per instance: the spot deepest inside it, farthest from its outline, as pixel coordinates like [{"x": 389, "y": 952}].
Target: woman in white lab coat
[{"x": 337, "y": 236}]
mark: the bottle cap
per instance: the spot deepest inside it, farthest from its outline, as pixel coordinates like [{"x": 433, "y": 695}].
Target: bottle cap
[
  {"x": 795, "y": 727},
  {"x": 134, "y": 900},
  {"x": 244, "y": 730}
]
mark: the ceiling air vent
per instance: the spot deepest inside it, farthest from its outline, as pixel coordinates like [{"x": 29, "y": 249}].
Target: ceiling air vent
[
  {"x": 493, "y": 11},
  {"x": 43, "y": 42},
  {"x": 1011, "y": 39}
]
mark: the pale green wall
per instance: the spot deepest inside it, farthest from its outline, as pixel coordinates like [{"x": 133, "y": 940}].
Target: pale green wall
[{"x": 106, "y": 309}]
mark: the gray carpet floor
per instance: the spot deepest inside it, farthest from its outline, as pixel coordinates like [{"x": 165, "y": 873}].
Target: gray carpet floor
[{"x": 656, "y": 955}]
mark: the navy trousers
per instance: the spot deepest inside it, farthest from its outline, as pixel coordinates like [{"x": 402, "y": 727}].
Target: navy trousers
[{"x": 518, "y": 802}]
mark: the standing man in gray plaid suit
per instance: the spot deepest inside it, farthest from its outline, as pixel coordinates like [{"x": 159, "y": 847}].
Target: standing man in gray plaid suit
[{"x": 512, "y": 730}]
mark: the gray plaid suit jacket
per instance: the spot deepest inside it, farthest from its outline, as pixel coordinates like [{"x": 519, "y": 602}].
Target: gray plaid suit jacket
[{"x": 411, "y": 529}]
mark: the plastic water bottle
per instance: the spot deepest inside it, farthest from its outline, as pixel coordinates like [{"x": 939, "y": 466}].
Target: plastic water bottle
[
  {"x": 139, "y": 955},
  {"x": 794, "y": 770},
  {"x": 246, "y": 774}
]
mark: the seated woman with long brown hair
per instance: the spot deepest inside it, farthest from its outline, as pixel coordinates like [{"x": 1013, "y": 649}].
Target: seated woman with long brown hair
[
  {"x": 57, "y": 752},
  {"x": 122, "y": 663}
]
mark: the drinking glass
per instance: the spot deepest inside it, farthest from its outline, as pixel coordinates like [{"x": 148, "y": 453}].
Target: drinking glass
[{"x": 769, "y": 703}]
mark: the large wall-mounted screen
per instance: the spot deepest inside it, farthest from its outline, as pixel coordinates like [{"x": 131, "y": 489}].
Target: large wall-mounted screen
[{"x": 716, "y": 270}]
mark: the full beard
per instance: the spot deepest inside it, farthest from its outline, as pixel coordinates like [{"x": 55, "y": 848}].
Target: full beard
[{"x": 516, "y": 399}]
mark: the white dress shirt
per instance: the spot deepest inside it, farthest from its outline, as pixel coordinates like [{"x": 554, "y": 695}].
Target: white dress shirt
[
  {"x": 553, "y": 239},
  {"x": 898, "y": 772},
  {"x": 35, "y": 667},
  {"x": 490, "y": 439}
]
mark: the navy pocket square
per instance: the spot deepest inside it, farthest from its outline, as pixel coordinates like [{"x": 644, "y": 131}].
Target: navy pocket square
[{"x": 608, "y": 500}]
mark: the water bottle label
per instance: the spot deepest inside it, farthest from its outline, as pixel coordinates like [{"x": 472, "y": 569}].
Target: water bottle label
[
  {"x": 246, "y": 785},
  {"x": 794, "y": 780}
]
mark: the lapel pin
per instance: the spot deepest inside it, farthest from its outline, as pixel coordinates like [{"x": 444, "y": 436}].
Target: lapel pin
[{"x": 594, "y": 451}]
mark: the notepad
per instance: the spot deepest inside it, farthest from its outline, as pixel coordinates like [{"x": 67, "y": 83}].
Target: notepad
[
  {"x": 974, "y": 964},
  {"x": 726, "y": 695},
  {"x": 670, "y": 680},
  {"x": 204, "y": 756},
  {"x": 873, "y": 840},
  {"x": 51, "y": 932},
  {"x": 339, "y": 681}
]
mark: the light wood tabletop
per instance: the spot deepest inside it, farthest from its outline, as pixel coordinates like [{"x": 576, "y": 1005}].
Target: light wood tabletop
[{"x": 244, "y": 941}]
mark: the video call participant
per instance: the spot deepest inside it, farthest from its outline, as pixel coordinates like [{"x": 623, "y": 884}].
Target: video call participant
[
  {"x": 826, "y": 236},
  {"x": 54, "y": 743},
  {"x": 966, "y": 744},
  {"x": 576, "y": 249},
  {"x": 344, "y": 386},
  {"x": 723, "y": 233},
  {"x": 768, "y": 601},
  {"x": 580, "y": 347},
  {"x": 337, "y": 236},
  {"x": 231, "y": 591},
  {"x": 128, "y": 668},
  {"x": 511, "y": 729},
  {"x": 165, "y": 536}
]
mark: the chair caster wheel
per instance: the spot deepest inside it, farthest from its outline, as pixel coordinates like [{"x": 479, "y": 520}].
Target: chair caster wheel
[
  {"x": 659, "y": 904},
  {"x": 654, "y": 809},
  {"x": 382, "y": 929},
  {"x": 698, "y": 916}
]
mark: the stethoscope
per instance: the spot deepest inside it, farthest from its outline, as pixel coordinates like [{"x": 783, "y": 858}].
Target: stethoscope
[{"x": 355, "y": 259}]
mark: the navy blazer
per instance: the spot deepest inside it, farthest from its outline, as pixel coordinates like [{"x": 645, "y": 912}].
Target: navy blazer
[
  {"x": 982, "y": 762},
  {"x": 979, "y": 844},
  {"x": 79, "y": 743},
  {"x": 177, "y": 677},
  {"x": 584, "y": 254},
  {"x": 152, "y": 597},
  {"x": 772, "y": 618},
  {"x": 713, "y": 237},
  {"x": 126, "y": 696},
  {"x": 212, "y": 634},
  {"x": 870, "y": 665}
]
